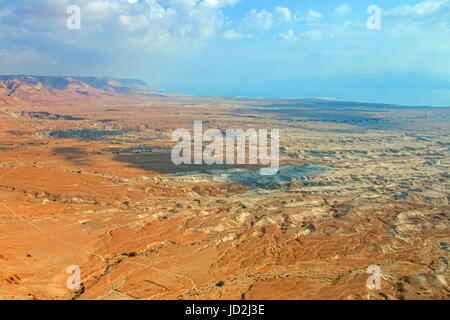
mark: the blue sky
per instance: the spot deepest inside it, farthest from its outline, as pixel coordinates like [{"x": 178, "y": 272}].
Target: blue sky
[{"x": 258, "y": 48}]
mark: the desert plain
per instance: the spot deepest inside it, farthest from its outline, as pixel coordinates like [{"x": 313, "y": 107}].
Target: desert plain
[{"x": 86, "y": 179}]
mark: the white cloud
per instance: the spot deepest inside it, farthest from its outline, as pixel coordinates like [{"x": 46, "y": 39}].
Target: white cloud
[
  {"x": 314, "y": 35},
  {"x": 342, "y": 9},
  {"x": 143, "y": 26},
  {"x": 287, "y": 36},
  {"x": 233, "y": 35},
  {"x": 423, "y": 9},
  {"x": 259, "y": 20},
  {"x": 283, "y": 14},
  {"x": 313, "y": 15},
  {"x": 133, "y": 22},
  {"x": 22, "y": 56},
  {"x": 429, "y": 17}
]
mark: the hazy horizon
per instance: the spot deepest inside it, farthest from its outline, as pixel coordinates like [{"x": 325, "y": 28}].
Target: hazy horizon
[{"x": 268, "y": 49}]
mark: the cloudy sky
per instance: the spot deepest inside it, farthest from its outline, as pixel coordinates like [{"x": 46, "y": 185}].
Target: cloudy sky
[{"x": 258, "y": 48}]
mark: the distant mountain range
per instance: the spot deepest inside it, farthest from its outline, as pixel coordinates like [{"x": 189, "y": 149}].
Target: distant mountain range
[{"x": 26, "y": 89}]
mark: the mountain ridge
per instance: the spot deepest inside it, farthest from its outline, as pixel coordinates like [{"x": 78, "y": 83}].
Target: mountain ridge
[{"x": 25, "y": 89}]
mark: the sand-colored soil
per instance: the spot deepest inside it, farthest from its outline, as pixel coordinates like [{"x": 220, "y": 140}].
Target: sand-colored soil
[{"x": 139, "y": 232}]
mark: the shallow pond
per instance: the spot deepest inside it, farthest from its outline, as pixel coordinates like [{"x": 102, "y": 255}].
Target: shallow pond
[{"x": 252, "y": 176}]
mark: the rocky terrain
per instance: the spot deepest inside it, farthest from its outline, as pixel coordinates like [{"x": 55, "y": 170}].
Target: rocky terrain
[{"x": 92, "y": 185}]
